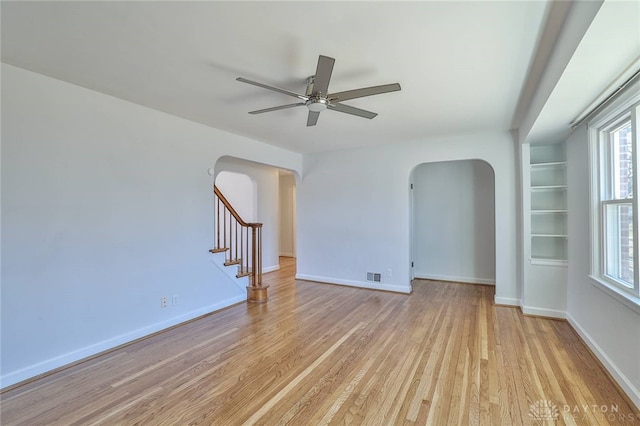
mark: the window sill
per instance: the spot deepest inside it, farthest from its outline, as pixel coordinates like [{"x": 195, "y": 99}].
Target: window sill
[{"x": 629, "y": 300}]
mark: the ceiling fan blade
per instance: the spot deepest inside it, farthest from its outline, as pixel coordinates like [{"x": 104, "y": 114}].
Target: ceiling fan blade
[
  {"x": 260, "y": 111},
  {"x": 275, "y": 89},
  {"x": 361, "y": 93},
  {"x": 323, "y": 75},
  {"x": 313, "y": 118},
  {"x": 352, "y": 110}
]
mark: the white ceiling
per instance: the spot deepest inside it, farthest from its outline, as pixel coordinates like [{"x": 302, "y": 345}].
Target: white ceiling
[
  {"x": 462, "y": 65},
  {"x": 608, "y": 51}
]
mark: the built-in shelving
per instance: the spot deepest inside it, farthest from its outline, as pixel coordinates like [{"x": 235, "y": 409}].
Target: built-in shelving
[{"x": 548, "y": 192}]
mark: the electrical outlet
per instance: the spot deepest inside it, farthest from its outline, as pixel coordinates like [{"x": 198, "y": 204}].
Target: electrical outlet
[
  {"x": 174, "y": 300},
  {"x": 389, "y": 272},
  {"x": 163, "y": 302}
]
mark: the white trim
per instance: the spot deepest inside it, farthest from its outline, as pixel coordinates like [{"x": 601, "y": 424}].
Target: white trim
[
  {"x": 626, "y": 77},
  {"x": 287, "y": 254},
  {"x": 632, "y": 392},
  {"x": 629, "y": 300},
  {"x": 625, "y": 106},
  {"x": 352, "y": 283},
  {"x": 270, "y": 269},
  {"x": 80, "y": 354},
  {"x": 467, "y": 280},
  {"x": 543, "y": 312},
  {"x": 507, "y": 301}
]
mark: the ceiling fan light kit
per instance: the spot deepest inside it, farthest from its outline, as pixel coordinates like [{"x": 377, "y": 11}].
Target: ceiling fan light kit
[
  {"x": 317, "y": 104},
  {"x": 317, "y": 98}
]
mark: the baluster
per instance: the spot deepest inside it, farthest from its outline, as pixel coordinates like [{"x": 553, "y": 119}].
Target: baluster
[
  {"x": 241, "y": 249},
  {"x": 254, "y": 258},
  {"x": 224, "y": 229},
  {"x": 259, "y": 256},
  {"x": 230, "y": 242},
  {"x": 246, "y": 248},
  {"x": 218, "y": 222}
]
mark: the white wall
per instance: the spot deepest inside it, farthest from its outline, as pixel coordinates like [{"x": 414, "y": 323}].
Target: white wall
[
  {"x": 241, "y": 191},
  {"x": 287, "y": 215},
  {"x": 354, "y": 210},
  {"x": 268, "y": 204},
  {"x": 454, "y": 232},
  {"x": 609, "y": 327},
  {"x": 107, "y": 206}
]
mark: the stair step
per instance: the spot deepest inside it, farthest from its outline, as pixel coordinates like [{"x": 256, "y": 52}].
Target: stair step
[
  {"x": 233, "y": 262},
  {"x": 243, "y": 274},
  {"x": 218, "y": 250}
]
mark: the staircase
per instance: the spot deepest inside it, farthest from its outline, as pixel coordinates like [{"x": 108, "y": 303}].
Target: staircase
[{"x": 241, "y": 243}]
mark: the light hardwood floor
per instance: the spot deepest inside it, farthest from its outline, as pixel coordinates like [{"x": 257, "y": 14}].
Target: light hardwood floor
[{"x": 321, "y": 354}]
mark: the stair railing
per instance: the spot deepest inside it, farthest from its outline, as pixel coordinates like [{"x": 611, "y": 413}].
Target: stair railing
[{"x": 242, "y": 244}]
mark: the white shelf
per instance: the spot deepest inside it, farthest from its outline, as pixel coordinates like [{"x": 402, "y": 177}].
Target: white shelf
[
  {"x": 552, "y": 164},
  {"x": 549, "y": 188},
  {"x": 547, "y": 262},
  {"x": 548, "y": 204}
]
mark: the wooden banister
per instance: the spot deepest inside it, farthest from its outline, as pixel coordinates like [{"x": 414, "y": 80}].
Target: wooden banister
[
  {"x": 229, "y": 207},
  {"x": 241, "y": 242}
]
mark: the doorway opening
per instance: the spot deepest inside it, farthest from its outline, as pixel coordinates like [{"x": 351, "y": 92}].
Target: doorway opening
[
  {"x": 287, "y": 194},
  {"x": 453, "y": 222},
  {"x": 267, "y": 195}
]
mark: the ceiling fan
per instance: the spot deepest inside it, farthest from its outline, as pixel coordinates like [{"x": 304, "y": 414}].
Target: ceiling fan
[{"x": 317, "y": 98}]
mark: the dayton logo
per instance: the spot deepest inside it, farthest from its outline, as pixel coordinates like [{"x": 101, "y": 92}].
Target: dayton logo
[{"x": 543, "y": 410}]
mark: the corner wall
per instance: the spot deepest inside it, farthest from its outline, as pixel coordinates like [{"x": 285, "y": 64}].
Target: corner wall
[
  {"x": 107, "y": 206},
  {"x": 611, "y": 329},
  {"x": 354, "y": 210}
]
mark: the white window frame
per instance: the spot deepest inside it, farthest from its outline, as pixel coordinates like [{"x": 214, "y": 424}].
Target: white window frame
[{"x": 624, "y": 107}]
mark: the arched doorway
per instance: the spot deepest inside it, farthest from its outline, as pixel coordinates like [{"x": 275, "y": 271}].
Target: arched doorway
[
  {"x": 261, "y": 188},
  {"x": 453, "y": 221}
]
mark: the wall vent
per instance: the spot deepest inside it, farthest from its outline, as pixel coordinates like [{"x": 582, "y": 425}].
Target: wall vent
[{"x": 374, "y": 276}]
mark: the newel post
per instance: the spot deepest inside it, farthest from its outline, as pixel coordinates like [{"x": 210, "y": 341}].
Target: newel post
[{"x": 256, "y": 292}]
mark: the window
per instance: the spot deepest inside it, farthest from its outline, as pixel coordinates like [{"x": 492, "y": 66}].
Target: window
[
  {"x": 614, "y": 208},
  {"x": 617, "y": 203}
]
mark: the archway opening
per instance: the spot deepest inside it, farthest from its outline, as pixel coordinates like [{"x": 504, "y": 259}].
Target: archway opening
[
  {"x": 453, "y": 222},
  {"x": 267, "y": 194}
]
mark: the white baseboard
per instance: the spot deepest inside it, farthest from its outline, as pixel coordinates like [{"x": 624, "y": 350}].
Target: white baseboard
[
  {"x": 543, "y": 312},
  {"x": 270, "y": 269},
  {"x": 352, "y": 283},
  {"x": 506, "y": 301},
  {"x": 467, "y": 280},
  {"x": 287, "y": 255},
  {"x": 77, "y": 355},
  {"x": 632, "y": 392}
]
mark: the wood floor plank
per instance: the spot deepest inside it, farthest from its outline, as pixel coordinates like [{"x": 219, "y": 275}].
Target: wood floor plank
[{"x": 319, "y": 354}]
